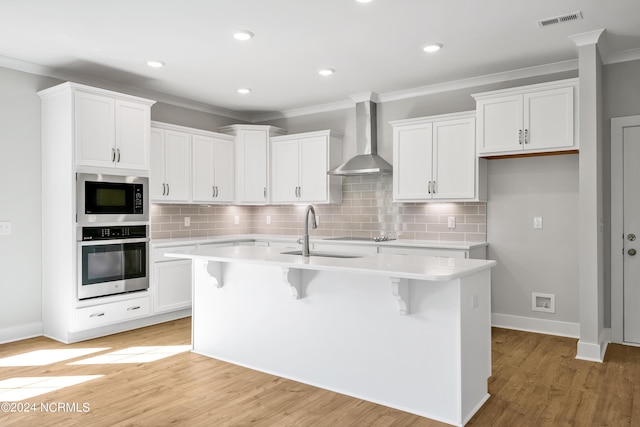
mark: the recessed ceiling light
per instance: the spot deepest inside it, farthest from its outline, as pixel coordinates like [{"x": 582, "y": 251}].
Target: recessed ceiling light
[
  {"x": 244, "y": 90},
  {"x": 243, "y": 35},
  {"x": 326, "y": 71},
  {"x": 433, "y": 47},
  {"x": 363, "y": 1},
  {"x": 154, "y": 63}
]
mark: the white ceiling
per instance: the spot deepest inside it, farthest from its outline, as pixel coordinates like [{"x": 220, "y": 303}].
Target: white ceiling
[{"x": 373, "y": 47}]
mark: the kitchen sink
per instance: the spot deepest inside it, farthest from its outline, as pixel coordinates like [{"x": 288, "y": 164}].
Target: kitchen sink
[{"x": 323, "y": 254}]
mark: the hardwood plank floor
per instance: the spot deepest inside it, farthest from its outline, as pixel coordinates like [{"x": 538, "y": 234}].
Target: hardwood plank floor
[{"x": 536, "y": 382}]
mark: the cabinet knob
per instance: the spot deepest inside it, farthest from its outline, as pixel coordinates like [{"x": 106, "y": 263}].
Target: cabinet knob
[
  {"x": 631, "y": 237},
  {"x": 631, "y": 252},
  {"x": 526, "y": 136},
  {"x": 520, "y": 137}
]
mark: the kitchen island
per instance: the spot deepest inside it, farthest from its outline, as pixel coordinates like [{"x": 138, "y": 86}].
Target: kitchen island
[{"x": 406, "y": 331}]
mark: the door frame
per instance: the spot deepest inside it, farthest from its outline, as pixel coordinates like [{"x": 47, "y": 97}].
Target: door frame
[{"x": 618, "y": 124}]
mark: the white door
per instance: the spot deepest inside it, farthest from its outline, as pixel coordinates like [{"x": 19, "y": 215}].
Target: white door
[
  {"x": 224, "y": 170},
  {"x": 313, "y": 169},
  {"x": 548, "y": 119},
  {"x": 252, "y": 167},
  {"x": 177, "y": 163},
  {"x": 203, "y": 185},
  {"x": 412, "y": 162},
  {"x": 157, "y": 186},
  {"x": 631, "y": 233},
  {"x": 284, "y": 171},
  {"x": 499, "y": 124},
  {"x": 94, "y": 130},
  {"x": 132, "y": 135},
  {"x": 454, "y": 159}
]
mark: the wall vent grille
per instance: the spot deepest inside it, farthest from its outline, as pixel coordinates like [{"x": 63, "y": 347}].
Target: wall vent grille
[{"x": 560, "y": 19}]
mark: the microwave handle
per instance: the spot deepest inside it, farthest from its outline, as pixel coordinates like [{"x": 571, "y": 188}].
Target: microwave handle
[{"x": 112, "y": 242}]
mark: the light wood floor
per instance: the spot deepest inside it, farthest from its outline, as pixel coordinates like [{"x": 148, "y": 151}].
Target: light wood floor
[{"x": 536, "y": 382}]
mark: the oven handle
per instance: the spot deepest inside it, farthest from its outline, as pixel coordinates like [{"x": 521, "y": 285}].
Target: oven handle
[{"x": 112, "y": 242}]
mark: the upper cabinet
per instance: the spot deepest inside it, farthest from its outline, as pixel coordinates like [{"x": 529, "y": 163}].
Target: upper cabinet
[
  {"x": 299, "y": 165},
  {"x": 530, "y": 119},
  {"x": 169, "y": 177},
  {"x": 252, "y": 161},
  {"x": 213, "y": 170},
  {"x": 111, "y": 130},
  {"x": 190, "y": 165},
  {"x": 434, "y": 158}
]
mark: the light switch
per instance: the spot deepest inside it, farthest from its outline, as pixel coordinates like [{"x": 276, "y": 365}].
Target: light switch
[
  {"x": 451, "y": 222},
  {"x": 5, "y": 228},
  {"x": 187, "y": 221},
  {"x": 236, "y": 219},
  {"x": 537, "y": 222}
]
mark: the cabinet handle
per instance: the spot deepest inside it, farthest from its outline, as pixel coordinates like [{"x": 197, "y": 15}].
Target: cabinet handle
[
  {"x": 164, "y": 188},
  {"x": 520, "y": 137},
  {"x": 434, "y": 185},
  {"x": 97, "y": 314},
  {"x": 213, "y": 191},
  {"x": 113, "y": 155},
  {"x": 216, "y": 191},
  {"x": 526, "y": 136},
  {"x": 118, "y": 151},
  {"x": 135, "y": 307},
  {"x": 265, "y": 192},
  {"x": 167, "y": 189},
  {"x": 429, "y": 187}
]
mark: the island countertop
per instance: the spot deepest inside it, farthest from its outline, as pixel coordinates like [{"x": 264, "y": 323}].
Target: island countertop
[{"x": 416, "y": 267}]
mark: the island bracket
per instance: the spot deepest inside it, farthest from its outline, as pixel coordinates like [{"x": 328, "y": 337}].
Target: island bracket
[
  {"x": 292, "y": 278},
  {"x": 400, "y": 291},
  {"x": 213, "y": 270}
]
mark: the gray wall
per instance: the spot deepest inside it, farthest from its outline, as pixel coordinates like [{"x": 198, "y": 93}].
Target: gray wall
[{"x": 20, "y": 200}]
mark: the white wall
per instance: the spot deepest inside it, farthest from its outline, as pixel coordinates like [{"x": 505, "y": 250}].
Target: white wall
[
  {"x": 534, "y": 260},
  {"x": 20, "y": 203}
]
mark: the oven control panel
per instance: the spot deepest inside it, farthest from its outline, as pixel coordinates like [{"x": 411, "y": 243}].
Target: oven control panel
[{"x": 114, "y": 232}]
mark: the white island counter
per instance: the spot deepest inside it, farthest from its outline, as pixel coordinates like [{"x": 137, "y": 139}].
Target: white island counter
[{"x": 408, "y": 332}]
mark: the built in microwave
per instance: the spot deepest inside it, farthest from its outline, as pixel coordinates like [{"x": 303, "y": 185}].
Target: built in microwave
[{"x": 105, "y": 198}]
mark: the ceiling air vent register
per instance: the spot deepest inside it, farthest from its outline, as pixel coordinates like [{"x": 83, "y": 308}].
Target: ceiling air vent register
[{"x": 575, "y": 16}]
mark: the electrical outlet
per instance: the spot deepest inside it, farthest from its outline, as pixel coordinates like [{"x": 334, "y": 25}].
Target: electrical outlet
[
  {"x": 537, "y": 222},
  {"x": 451, "y": 222},
  {"x": 268, "y": 219},
  {"x": 5, "y": 228},
  {"x": 187, "y": 221},
  {"x": 317, "y": 219},
  {"x": 236, "y": 219}
]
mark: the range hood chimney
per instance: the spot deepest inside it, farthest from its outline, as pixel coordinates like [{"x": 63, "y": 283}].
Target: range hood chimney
[{"x": 366, "y": 161}]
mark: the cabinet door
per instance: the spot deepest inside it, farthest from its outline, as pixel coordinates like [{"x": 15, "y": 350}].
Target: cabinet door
[
  {"x": 94, "y": 129},
  {"x": 202, "y": 163},
  {"x": 251, "y": 166},
  {"x": 223, "y": 170},
  {"x": 157, "y": 187},
  {"x": 548, "y": 117},
  {"x": 454, "y": 159},
  {"x": 132, "y": 135},
  {"x": 412, "y": 162},
  {"x": 284, "y": 171},
  {"x": 500, "y": 122},
  {"x": 177, "y": 166},
  {"x": 172, "y": 285},
  {"x": 313, "y": 167}
]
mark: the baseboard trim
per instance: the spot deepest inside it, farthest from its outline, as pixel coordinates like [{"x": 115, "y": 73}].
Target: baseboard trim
[
  {"x": 594, "y": 352},
  {"x": 20, "y": 332},
  {"x": 541, "y": 326}
]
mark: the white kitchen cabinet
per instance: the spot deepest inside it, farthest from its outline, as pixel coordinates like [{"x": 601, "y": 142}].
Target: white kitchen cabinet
[
  {"x": 170, "y": 173},
  {"x": 531, "y": 119},
  {"x": 299, "y": 165},
  {"x": 434, "y": 159},
  {"x": 252, "y": 161},
  {"x": 213, "y": 171},
  {"x": 105, "y": 314},
  {"x": 171, "y": 279},
  {"x": 111, "y": 130}
]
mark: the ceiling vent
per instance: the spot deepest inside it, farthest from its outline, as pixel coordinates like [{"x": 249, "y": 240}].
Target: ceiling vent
[{"x": 575, "y": 16}]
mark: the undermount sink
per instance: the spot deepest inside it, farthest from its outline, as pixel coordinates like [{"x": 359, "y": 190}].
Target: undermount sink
[{"x": 323, "y": 254}]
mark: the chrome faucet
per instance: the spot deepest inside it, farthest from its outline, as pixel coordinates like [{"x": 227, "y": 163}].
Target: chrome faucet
[{"x": 305, "y": 236}]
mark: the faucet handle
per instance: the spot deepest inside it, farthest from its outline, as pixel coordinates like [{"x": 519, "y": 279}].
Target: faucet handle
[{"x": 301, "y": 241}]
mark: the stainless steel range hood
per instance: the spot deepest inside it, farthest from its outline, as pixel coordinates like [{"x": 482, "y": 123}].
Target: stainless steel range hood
[{"x": 366, "y": 161}]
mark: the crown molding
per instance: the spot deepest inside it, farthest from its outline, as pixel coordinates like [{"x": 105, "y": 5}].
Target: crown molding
[
  {"x": 622, "y": 56},
  {"x": 323, "y": 108},
  {"x": 588, "y": 38},
  {"x": 40, "y": 70}
]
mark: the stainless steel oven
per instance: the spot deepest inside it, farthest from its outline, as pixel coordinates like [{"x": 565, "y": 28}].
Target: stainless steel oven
[
  {"x": 111, "y": 198},
  {"x": 112, "y": 260}
]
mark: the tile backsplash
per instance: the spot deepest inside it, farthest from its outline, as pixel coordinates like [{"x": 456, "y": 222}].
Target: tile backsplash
[{"x": 367, "y": 210}]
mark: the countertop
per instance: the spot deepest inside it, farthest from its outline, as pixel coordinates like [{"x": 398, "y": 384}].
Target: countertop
[
  {"x": 415, "y": 267},
  {"x": 454, "y": 245}
]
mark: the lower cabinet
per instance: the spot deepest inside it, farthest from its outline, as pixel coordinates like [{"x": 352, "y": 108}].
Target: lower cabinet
[
  {"x": 479, "y": 252},
  {"x": 172, "y": 283},
  {"x": 105, "y": 314}
]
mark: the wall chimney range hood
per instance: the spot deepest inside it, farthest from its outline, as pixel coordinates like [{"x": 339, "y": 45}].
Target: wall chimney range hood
[{"x": 366, "y": 161}]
